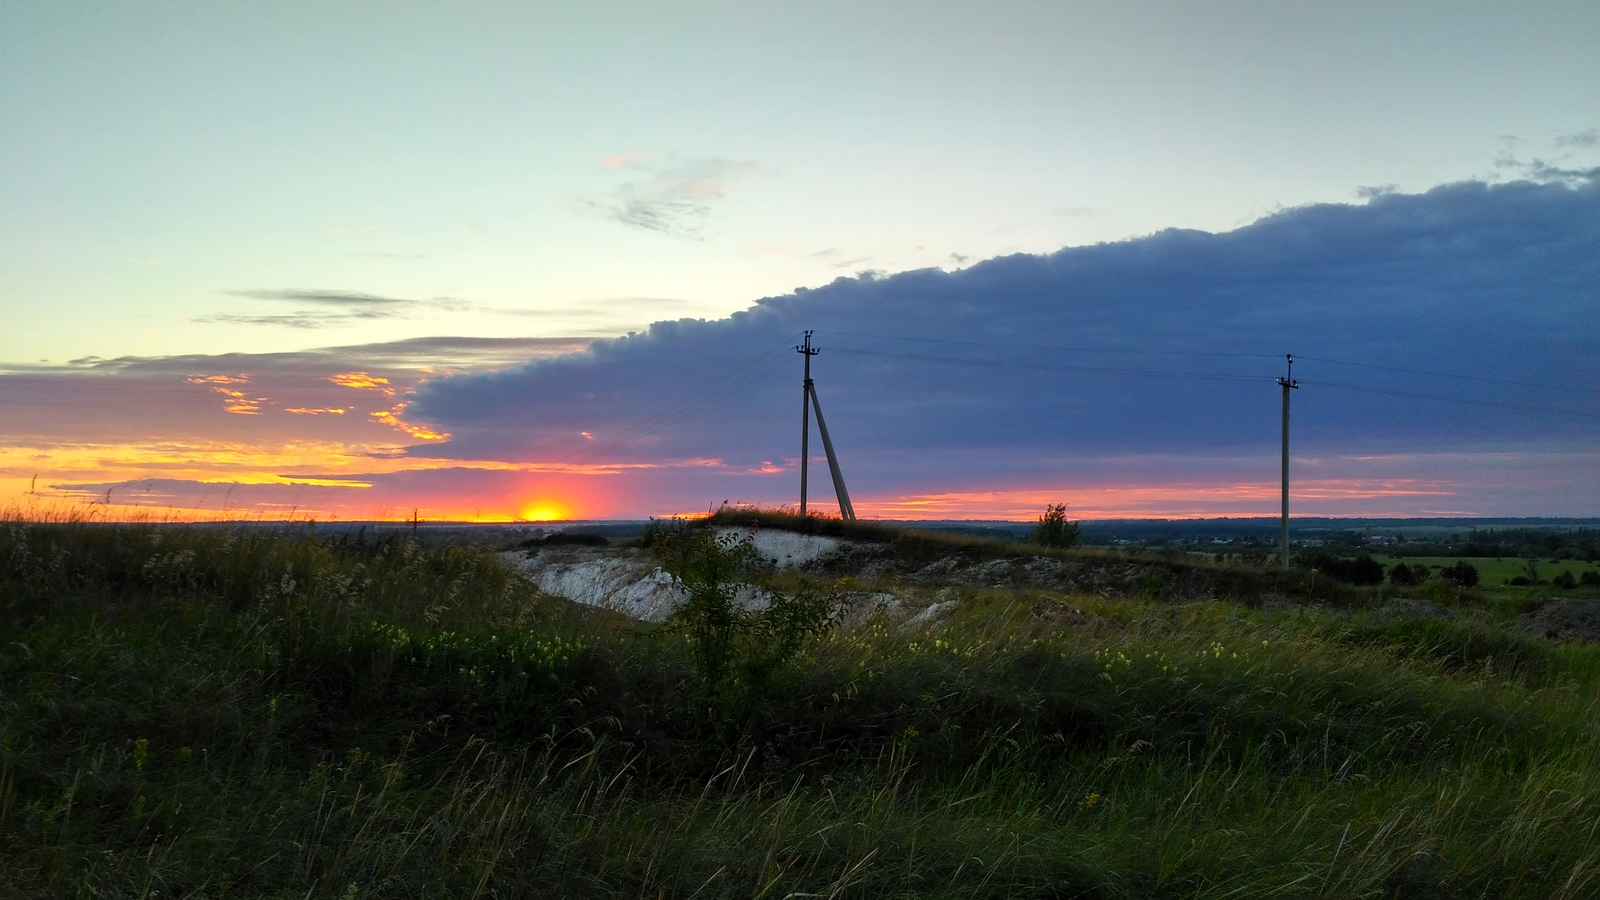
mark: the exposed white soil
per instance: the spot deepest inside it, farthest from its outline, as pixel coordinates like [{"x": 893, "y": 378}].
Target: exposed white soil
[
  {"x": 625, "y": 583},
  {"x": 786, "y": 549},
  {"x": 628, "y": 580}
]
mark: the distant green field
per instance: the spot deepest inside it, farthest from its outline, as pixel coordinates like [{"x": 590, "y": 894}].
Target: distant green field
[{"x": 1495, "y": 572}]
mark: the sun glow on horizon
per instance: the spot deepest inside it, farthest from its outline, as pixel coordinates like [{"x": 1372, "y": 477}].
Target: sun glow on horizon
[{"x": 546, "y": 510}]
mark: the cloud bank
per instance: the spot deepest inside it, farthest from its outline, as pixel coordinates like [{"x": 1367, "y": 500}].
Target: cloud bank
[{"x": 1003, "y": 374}]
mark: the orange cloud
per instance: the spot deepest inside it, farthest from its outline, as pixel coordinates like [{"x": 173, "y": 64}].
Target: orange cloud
[
  {"x": 315, "y": 411},
  {"x": 391, "y": 417},
  {"x": 362, "y": 380},
  {"x": 237, "y": 402}
]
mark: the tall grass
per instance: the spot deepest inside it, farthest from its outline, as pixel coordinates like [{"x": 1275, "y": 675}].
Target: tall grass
[{"x": 214, "y": 712}]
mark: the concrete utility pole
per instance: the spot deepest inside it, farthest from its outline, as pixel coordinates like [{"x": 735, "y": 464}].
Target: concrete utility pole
[
  {"x": 1288, "y": 382},
  {"x": 809, "y": 402},
  {"x": 807, "y": 351}
]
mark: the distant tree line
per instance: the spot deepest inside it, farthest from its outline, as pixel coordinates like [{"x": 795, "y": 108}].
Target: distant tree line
[
  {"x": 1364, "y": 570},
  {"x": 1580, "y": 543}
]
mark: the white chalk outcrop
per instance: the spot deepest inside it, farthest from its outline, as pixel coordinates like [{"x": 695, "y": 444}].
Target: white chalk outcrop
[
  {"x": 786, "y": 549},
  {"x": 625, "y": 581},
  {"x": 629, "y": 582}
]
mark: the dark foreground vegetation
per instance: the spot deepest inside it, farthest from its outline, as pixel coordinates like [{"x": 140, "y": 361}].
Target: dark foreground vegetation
[{"x": 215, "y": 713}]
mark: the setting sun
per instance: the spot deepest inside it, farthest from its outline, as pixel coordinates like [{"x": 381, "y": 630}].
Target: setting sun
[{"x": 546, "y": 511}]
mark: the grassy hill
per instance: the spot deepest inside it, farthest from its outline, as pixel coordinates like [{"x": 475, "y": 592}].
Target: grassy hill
[{"x": 200, "y": 712}]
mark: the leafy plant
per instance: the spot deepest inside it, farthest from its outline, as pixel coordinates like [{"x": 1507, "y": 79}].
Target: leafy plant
[
  {"x": 1361, "y": 570},
  {"x": 1462, "y": 574},
  {"x": 1053, "y": 529},
  {"x": 742, "y": 635},
  {"x": 1404, "y": 574}
]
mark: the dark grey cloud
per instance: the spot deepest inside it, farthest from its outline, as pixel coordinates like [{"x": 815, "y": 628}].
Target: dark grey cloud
[
  {"x": 328, "y": 298},
  {"x": 1496, "y": 281},
  {"x": 296, "y": 320},
  {"x": 1548, "y": 171},
  {"x": 668, "y": 194},
  {"x": 183, "y": 398},
  {"x": 412, "y": 353},
  {"x": 330, "y": 308},
  {"x": 1580, "y": 139}
]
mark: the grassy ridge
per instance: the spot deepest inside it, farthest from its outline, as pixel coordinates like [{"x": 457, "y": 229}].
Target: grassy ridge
[{"x": 205, "y": 712}]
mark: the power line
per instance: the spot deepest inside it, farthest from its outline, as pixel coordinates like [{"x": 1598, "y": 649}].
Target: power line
[
  {"x": 1337, "y": 362},
  {"x": 1467, "y": 400},
  {"x": 1214, "y": 376},
  {"x": 1534, "y": 384},
  {"x": 890, "y": 337},
  {"x": 1096, "y": 370}
]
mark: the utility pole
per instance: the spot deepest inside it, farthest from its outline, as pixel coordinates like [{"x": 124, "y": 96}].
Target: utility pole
[
  {"x": 807, "y": 351},
  {"x": 1288, "y": 383},
  {"x": 808, "y": 403}
]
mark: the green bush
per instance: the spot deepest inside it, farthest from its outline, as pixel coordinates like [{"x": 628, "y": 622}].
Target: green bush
[
  {"x": 739, "y": 651},
  {"x": 1403, "y": 574},
  {"x": 1054, "y": 530},
  {"x": 1361, "y": 570},
  {"x": 1462, "y": 574}
]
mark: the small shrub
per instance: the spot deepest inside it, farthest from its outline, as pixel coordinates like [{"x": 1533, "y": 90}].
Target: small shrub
[
  {"x": 1403, "y": 574},
  {"x": 1462, "y": 574},
  {"x": 1361, "y": 570},
  {"x": 739, "y": 653},
  {"x": 1054, "y": 530},
  {"x": 1565, "y": 581},
  {"x": 1590, "y": 578}
]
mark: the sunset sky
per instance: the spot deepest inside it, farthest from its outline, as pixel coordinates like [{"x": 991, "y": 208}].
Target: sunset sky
[{"x": 505, "y": 261}]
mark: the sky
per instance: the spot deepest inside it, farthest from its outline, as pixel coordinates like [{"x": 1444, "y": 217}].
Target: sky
[{"x": 531, "y": 261}]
